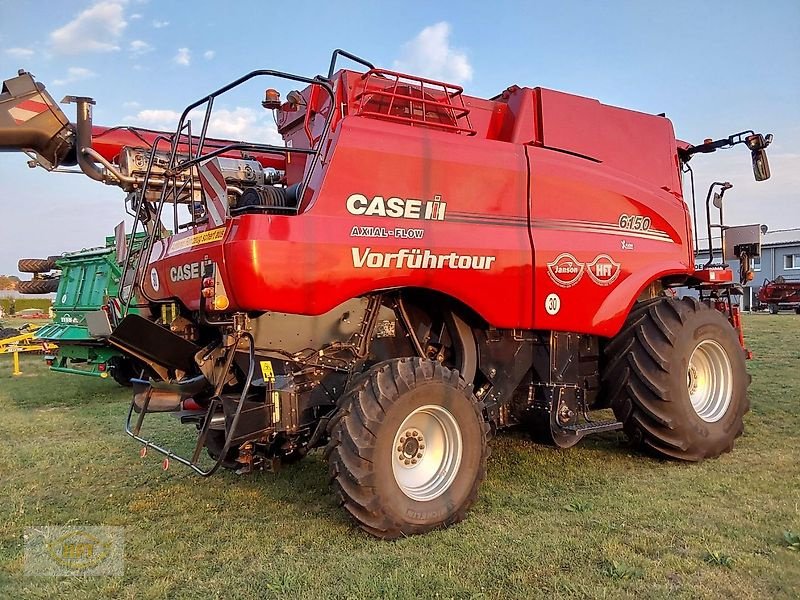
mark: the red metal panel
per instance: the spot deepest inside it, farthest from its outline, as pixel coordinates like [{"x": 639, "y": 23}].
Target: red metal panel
[
  {"x": 505, "y": 220},
  {"x": 641, "y": 145}
]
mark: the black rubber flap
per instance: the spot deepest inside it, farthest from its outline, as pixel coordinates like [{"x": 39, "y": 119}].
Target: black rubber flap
[{"x": 143, "y": 337}]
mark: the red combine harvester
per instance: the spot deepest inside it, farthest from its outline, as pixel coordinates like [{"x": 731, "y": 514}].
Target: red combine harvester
[
  {"x": 413, "y": 270},
  {"x": 780, "y": 293}
]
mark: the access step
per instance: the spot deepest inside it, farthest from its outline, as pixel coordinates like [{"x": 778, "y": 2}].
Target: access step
[{"x": 593, "y": 427}]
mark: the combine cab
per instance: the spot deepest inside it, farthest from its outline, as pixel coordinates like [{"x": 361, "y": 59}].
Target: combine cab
[{"x": 413, "y": 270}]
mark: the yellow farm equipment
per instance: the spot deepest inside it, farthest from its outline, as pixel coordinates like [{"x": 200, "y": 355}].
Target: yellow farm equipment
[{"x": 23, "y": 341}]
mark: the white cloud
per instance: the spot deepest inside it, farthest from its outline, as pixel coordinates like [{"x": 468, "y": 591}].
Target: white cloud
[
  {"x": 240, "y": 123},
  {"x": 96, "y": 29},
  {"x": 430, "y": 54},
  {"x": 244, "y": 124},
  {"x": 160, "y": 24},
  {"x": 20, "y": 52},
  {"x": 75, "y": 74},
  {"x": 209, "y": 54},
  {"x": 135, "y": 17},
  {"x": 139, "y": 47},
  {"x": 183, "y": 57},
  {"x": 155, "y": 117}
]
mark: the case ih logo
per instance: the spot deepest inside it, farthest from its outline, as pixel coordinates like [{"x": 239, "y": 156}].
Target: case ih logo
[
  {"x": 398, "y": 208},
  {"x": 603, "y": 270},
  {"x": 565, "y": 270}
]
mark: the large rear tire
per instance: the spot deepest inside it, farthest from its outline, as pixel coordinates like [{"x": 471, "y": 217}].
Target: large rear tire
[
  {"x": 408, "y": 448},
  {"x": 38, "y": 286},
  {"x": 676, "y": 377}
]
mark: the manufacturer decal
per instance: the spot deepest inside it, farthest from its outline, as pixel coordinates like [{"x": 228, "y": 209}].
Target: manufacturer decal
[
  {"x": 69, "y": 319},
  {"x": 552, "y": 304},
  {"x": 154, "y": 279},
  {"x": 198, "y": 239},
  {"x": 383, "y": 232},
  {"x": 634, "y": 222},
  {"x": 187, "y": 271},
  {"x": 397, "y": 208},
  {"x": 565, "y": 270},
  {"x": 626, "y": 245},
  {"x": 603, "y": 270},
  {"x": 416, "y": 258}
]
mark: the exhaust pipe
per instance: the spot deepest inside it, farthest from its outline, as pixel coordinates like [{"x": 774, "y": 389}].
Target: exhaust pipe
[
  {"x": 83, "y": 142},
  {"x": 31, "y": 122}
]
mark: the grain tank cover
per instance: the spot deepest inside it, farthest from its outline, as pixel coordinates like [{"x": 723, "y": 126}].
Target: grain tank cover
[{"x": 636, "y": 143}]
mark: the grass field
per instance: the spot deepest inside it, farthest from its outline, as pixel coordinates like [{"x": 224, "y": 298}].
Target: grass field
[{"x": 596, "y": 521}]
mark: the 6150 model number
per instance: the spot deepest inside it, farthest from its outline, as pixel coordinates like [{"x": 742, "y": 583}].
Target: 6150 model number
[{"x": 634, "y": 222}]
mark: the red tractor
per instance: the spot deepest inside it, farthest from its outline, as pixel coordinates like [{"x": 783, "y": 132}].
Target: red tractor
[{"x": 413, "y": 270}]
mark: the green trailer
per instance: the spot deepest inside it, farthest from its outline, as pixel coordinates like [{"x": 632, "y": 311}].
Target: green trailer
[{"x": 89, "y": 282}]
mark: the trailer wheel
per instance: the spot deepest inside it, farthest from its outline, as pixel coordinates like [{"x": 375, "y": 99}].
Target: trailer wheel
[
  {"x": 676, "y": 378},
  {"x": 123, "y": 369},
  {"x": 773, "y": 309},
  {"x": 408, "y": 448},
  {"x": 36, "y": 265},
  {"x": 38, "y": 286}
]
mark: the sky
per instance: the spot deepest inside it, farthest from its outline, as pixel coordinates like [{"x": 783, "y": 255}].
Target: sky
[{"x": 714, "y": 67}]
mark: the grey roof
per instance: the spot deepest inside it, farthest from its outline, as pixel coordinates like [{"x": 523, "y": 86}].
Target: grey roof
[{"x": 781, "y": 237}]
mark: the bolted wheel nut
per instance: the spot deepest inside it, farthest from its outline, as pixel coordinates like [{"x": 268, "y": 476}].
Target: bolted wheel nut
[
  {"x": 419, "y": 455},
  {"x": 406, "y": 461},
  {"x": 413, "y": 461}
]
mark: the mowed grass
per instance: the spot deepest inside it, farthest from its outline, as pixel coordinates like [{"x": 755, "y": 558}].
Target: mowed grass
[{"x": 597, "y": 521}]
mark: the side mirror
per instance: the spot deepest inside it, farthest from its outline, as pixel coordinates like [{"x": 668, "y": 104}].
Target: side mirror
[
  {"x": 760, "y": 164},
  {"x": 758, "y": 144}
]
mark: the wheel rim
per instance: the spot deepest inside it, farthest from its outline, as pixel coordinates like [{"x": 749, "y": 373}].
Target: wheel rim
[
  {"x": 709, "y": 379},
  {"x": 426, "y": 453}
]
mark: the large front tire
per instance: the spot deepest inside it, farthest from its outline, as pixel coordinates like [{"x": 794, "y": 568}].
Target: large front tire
[
  {"x": 676, "y": 377},
  {"x": 408, "y": 448}
]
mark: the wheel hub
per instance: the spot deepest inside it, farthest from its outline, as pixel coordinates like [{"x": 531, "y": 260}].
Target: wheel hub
[
  {"x": 709, "y": 381},
  {"x": 411, "y": 447},
  {"x": 427, "y": 453}
]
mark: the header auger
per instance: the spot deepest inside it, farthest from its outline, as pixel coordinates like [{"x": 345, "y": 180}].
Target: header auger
[{"x": 412, "y": 271}]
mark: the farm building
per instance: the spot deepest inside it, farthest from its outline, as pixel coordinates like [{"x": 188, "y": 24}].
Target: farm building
[{"x": 780, "y": 257}]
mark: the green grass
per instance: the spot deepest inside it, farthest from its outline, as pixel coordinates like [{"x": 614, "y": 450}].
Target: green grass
[{"x": 597, "y": 521}]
